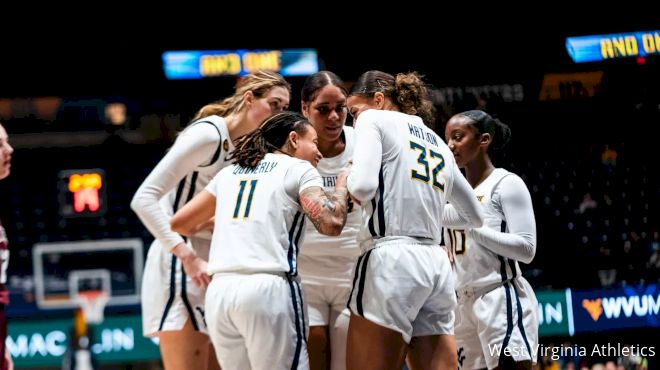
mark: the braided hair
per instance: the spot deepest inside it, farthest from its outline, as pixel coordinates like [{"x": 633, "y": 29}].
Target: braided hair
[{"x": 270, "y": 136}]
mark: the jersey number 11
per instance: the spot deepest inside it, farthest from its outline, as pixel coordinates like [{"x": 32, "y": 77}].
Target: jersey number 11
[{"x": 239, "y": 198}]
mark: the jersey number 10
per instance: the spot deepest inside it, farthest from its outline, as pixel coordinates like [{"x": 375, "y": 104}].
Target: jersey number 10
[{"x": 457, "y": 241}]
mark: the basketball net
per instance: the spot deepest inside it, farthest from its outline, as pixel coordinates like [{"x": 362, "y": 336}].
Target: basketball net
[{"x": 92, "y": 303}]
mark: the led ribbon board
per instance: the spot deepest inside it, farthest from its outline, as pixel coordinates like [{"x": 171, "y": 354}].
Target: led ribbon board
[
  {"x": 614, "y": 46},
  {"x": 180, "y": 65}
]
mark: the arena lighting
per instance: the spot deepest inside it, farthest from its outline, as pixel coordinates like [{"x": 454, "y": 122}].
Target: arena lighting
[
  {"x": 613, "y": 46},
  {"x": 115, "y": 113},
  {"x": 202, "y": 64}
]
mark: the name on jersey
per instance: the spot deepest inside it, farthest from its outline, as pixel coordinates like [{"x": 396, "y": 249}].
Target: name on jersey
[
  {"x": 329, "y": 181},
  {"x": 262, "y": 167},
  {"x": 423, "y": 134}
]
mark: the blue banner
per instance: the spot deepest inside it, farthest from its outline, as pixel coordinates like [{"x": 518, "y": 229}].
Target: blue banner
[
  {"x": 620, "y": 45},
  {"x": 201, "y": 64},
  {"x": 628, "y": 307}
]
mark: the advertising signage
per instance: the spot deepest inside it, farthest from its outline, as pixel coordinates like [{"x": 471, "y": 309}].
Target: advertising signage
[
  {"x": 41, "y": 343},
  {"x": 180, "y": 65},
  {"x": 628, "y": 307},
  {"x": 555, "y": 313},
  {"x": 597, "y": 48}
]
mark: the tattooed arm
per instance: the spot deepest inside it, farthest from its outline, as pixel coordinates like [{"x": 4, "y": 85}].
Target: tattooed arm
[{"x": 326, "y": 209}]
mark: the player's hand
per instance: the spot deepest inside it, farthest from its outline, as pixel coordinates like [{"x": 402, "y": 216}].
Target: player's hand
[
  {"x": 342, "y": 178},
  {"x": 193, "y": 265}
]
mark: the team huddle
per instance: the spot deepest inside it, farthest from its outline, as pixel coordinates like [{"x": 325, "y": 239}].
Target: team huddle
[{"x": 292, "y": 241}]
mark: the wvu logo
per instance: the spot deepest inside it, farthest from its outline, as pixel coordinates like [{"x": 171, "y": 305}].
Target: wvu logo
[
  {"x": 594, "y": 307},
  {"x": 480, "y": 198},
  {"x": 461, "y": 357}
]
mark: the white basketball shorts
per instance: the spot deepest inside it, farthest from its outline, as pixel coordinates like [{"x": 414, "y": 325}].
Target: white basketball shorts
[
  {"x": 257, "y": 321},
  {"x": 405, "y": 287},
  {"x": 504, "y": 317},
  {"x": 169, "y": 297}
]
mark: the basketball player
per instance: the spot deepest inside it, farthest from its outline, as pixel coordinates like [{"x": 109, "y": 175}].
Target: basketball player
[
  {"x": 254, "y": 303},
  {"x": 403, "y": 296},
  {"x": 6, "y": 150},
  {"x": 326, "y": 263},
  {"x": 172, "y": 307},
  {"x": 496, "y": 305}
]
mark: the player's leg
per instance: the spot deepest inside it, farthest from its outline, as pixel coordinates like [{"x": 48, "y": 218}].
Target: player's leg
[
  {"x": 371, "y": 346},
  {"x": 318, "y": 342},
  {"x": 432, "y": 352},
  {"x": 339, "y": 320},
  {"x": 273, "y": 323},
  {"x": 184, "y": 349},
  {"x": 213, "y": 362},
  {"x": 433, "y": 345},
  {"x": 318, "y": 345}
]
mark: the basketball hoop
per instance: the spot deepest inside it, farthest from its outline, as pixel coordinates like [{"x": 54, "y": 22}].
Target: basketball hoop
[{"x": 92, "y": 303}]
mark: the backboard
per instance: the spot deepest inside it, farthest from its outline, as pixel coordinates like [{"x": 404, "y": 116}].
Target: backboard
[{"x": 62, "y": 270}]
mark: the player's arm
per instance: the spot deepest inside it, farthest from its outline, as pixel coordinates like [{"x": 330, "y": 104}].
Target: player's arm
[
  {"x": 194, "y": 215},
  {"x": 516, "y": 205},
  {"x": 367, "y": 159},
  {"x": 326, "y": 209},
  {"x": 194, "y": 147},
  {"x": 464, "y": 211},
  {"x": 187, "y": 221}
]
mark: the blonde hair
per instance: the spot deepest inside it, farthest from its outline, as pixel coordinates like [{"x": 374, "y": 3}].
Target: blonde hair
[{"x": 259, "y": 83}]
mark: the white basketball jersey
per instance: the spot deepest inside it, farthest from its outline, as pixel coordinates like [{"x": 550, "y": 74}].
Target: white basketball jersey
[
  {"x": 344, "y": 245},
  {"x": 415, "y": 176},
  {"x": 475, "y": 265},
  {"x": 197, "y": 179},
  {"x": 258, "y": 224}
]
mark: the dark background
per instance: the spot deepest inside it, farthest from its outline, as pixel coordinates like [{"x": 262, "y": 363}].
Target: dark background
[{"x": 555, "y": 147}]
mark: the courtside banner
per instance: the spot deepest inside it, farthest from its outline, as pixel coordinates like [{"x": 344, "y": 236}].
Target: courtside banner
[
  {"x": 597, "y": 48},
  {"x": 180, "y": 65},
  {"x": 555, "y": 313},
  {"x": 43, "y": 343},
  {"x": 628, "y": 307}
]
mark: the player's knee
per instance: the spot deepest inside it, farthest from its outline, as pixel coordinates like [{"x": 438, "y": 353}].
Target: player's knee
[{"x": 318, "y": 336}]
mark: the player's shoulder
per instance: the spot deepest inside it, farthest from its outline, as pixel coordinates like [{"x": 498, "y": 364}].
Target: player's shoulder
[
  {"x": 376, "y": 115},
  {"x": 509, "y": 181},
  {"x": 508, "y": 176},
  {"x": 207, "y": 129}
]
